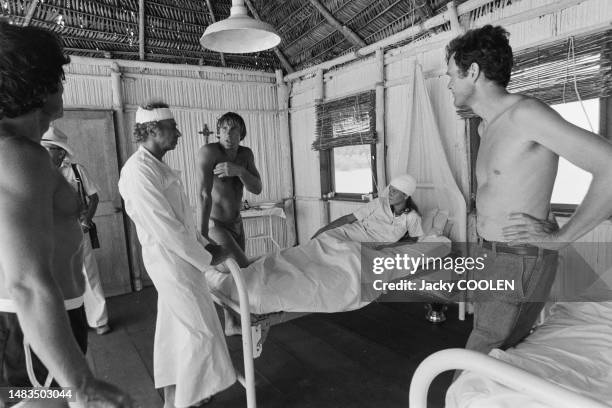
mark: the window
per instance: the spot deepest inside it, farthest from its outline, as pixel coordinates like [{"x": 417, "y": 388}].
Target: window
[
  {"x": 346, "y": 141},
  {"x": 572, "y": 182}
]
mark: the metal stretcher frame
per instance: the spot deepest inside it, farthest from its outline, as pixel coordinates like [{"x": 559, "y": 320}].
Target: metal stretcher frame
[
  {"x": 253, "y": 334},
  {"x": 499, "y": 371}
]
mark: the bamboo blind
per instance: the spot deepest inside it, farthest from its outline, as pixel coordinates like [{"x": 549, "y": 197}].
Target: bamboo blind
[
  {"x": 563, "y": 71},
  {"x": 346, "y": 122}
]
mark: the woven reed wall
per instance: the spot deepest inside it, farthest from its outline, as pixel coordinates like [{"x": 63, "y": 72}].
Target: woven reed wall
[{"x": 198, "y": 97}]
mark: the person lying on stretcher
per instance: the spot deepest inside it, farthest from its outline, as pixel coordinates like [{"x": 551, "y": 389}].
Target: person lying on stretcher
[{"x": 324, "y": 273}]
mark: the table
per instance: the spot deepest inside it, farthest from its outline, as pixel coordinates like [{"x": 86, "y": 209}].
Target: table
[{"x": 256, "y": 212}]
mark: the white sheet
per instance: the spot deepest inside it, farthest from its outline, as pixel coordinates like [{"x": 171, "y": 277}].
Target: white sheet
[
  {"x": 573, "y": 348},
  {"x": 322, "y": 275}
]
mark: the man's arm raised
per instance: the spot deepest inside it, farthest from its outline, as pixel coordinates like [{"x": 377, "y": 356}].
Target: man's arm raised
[
  {"x": 26, "y": 242},
  {"x": 248, "y": 175},
  {"x": 586, "y": 150}
]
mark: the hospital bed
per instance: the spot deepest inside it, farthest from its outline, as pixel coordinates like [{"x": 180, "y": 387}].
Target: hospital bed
[
  {"x": 565, "y": 362},
  {"x": 254, "y": 327}
]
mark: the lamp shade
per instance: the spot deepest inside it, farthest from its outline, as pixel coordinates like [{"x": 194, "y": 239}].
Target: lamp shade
[{"x": 239, "y": 33}]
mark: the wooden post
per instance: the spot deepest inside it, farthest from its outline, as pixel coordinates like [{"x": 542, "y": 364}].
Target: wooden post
[
  {"x": 124, "y": 150},
  {"x": 141, "y": 29},
  {"x": 381, "y": 148},
  {"x": 285, "y": 139},
  {"x": 30, "y": 13},
  {"x": 319, "y": 97}
]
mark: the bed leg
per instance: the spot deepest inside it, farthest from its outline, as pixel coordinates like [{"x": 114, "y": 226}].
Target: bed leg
[{"x": 461, "y": 310}]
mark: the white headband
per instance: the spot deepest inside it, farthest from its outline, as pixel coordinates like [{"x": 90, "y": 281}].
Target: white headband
[{"x": 154, "y": 115}]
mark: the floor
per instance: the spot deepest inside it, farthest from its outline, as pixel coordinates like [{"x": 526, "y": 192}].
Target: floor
[{"x": 363, "y": 358}]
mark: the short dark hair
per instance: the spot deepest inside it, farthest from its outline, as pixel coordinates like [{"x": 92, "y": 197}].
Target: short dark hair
[
  {"x": 487, "y": 46},
  {"x": 143, "y": 130},
  {"x": 31, "y": 68},
  {"x": 232, "y": 119}
]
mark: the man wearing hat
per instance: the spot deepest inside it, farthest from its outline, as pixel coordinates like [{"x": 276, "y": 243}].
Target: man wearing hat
[
  {"x": 190, "y": 358},
  {"x": 56, "y": 143}
]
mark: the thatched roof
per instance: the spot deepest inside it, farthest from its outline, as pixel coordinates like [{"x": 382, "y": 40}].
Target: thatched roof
[{"x": 109, "y": 28}]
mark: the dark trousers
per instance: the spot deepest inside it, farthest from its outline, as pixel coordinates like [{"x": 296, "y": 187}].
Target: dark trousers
[{"x": 12, "y": 354}]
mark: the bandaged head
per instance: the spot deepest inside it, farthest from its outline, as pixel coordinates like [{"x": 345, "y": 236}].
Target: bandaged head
[
  {"x": 153, "y": 115},
  {"x": 404, "y": 183}
]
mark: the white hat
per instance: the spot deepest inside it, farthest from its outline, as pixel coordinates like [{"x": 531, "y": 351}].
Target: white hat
[
  {"x": 404, "y": 183},
  {"x": 56, "y": 137}
]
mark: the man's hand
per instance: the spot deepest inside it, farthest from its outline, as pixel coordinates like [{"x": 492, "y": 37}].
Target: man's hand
[
  {"x": 227, "y": 169},
  {"x": 99, "y": 394},
  {"x": 526, "y": 229},
  {"x": 218, "y": 253}
]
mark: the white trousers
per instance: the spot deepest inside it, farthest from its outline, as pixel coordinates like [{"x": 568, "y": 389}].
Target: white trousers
[{"x": 95, "y": 303}]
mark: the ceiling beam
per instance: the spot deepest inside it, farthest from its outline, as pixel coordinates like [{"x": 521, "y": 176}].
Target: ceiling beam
[
  {"x": 30, "y": 13},
  {"x": 423, "y": 8},
  {"x": 346, "y": 31},
  {"x": 141, "y": 29},
  {"x": 214, "y": 20},
  {"x": 281, "y": 57}
]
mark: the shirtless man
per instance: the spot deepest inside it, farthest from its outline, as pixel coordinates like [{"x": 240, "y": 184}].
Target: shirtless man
[
  {"x": 225, "y": 168},
  {"x": 521, "y": 141},
  {"x": 40, "y": 237}
]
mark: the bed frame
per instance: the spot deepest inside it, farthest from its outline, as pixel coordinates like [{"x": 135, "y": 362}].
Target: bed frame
[
  {"x": 499, "y": 371},
  {"x": 254, "y": 328}
]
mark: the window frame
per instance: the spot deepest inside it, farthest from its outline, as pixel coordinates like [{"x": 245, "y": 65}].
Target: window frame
[{"x": 327, "y": 173}]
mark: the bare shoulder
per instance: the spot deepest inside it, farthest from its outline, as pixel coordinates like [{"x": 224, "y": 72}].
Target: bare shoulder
[
  {"x": 528, "y": 109},
  {"x": 210, "y": 152},
  {"x": 24, "y": 164}
]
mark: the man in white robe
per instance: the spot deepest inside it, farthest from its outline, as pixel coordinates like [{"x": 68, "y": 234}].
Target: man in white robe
[{"x": 190, "y": 358}]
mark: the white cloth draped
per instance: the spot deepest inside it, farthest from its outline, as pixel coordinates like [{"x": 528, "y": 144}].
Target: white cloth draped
[
  {"x": 189, "y": 349},
  {"x": 571, "y": 349},
  {"x": 323, "y": 274},
  {"x": 421, "y": 154}
]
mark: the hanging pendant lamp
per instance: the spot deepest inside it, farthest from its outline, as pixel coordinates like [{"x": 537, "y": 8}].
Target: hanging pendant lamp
[{"x": 239, "y": 33}]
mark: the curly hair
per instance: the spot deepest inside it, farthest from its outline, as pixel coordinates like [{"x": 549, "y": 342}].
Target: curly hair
[
  {"x": 487, "y": 46},
  {"x": 31, "y": 68},
  {"x": 143, "y": 130},
  {"x": 232, "y": 119}
]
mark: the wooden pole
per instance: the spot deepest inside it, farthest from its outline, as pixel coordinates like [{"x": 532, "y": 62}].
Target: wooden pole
[
  {"x": 285, "y": 146},
  {"x": 124, "y": 148},
  {"x": 30, "y": 13},
  {"x": 214, "y": 20},
  {"x": 279, "y": 54},
  {"x": 141, "y": 29},
  {"x": 346, "y": 31},
  {"x": 381, "y": 148}
]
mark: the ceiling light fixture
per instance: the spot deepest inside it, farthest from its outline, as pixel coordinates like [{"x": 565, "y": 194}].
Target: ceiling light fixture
[{"x": 239, "y": 33}]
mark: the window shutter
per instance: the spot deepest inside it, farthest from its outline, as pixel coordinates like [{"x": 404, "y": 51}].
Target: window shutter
[{"x": 346, "y": 122}]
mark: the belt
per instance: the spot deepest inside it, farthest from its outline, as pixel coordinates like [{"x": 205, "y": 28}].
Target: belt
[{"x": 521, "y": 249}]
